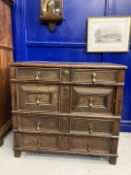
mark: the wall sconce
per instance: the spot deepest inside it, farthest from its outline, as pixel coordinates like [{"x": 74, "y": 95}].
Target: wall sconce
[{"x": 51, "y": 12}]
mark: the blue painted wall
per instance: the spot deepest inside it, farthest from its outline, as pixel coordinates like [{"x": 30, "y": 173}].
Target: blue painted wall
[
  {"x": 122, "y": 8},
  {"x": 33, "y": 41}
]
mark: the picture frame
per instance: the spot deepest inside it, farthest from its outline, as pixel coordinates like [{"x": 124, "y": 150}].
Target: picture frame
[{"x": 108, "y": 34}]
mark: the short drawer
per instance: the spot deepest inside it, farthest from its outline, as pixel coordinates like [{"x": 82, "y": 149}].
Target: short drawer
[
  {"x": 91, "y": 126},
  {"x": 36, "y": 123},
  {"x": 95, "y": 76},
  {"x": 36, "y": 141},
  {"x": 90, "y": 144},
  {"x": 92, "y": 99},
  {"x": 38, "y": 74},
  {"x": 38, "y": 97}
]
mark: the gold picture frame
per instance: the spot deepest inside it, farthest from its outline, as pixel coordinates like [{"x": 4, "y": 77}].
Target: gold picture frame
[{"x": 108, "y": 34}]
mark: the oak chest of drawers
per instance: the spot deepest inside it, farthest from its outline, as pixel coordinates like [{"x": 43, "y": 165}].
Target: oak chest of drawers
[{"x": 67, "y": 108}]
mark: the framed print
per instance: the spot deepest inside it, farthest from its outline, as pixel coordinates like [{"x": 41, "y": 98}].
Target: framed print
[{"x": 108, "y": 34}]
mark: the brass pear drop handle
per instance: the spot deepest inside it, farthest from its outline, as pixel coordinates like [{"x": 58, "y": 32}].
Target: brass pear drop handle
[
  {"x": 38, "y": 100},
  {"x": 90, "y": 102},
  {"x": 90, "y": 129},
  {"x": 88, "y": 147},
  {"x": 67, "y": 89},
  {"x": 38, "y": 126},
  {"x": 38, "y": 143},
  {"x": 37, "y": 75},
  {"x": 93, "y": 78}
]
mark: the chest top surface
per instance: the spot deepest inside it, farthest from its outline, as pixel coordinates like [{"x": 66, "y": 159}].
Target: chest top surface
[{"x": 69, "y": 65}]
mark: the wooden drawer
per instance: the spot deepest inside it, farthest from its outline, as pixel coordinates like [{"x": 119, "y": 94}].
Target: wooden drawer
[
  {"x": 36, "y": 123},
  {"x": 42, "y": 142},
  {"x": 92, "y": 99},
  {"x": 38, "y": 97},
  {"x": 45, "y": 123},
  {"x": 41, "y": 123},
  {"x": 70, "y": 144},
  {"x": 95, "y": 76},
  {"x": 90, "y": 144},
  {"x": 36, "y": 141},
  {"x": 38, "y": 74},
  {"x": 91, "y": 126}
]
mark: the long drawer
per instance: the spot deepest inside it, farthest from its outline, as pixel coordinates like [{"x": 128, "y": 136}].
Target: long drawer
[
  {"x": 70, "y": 98},
  {"x": 91, "y": 76},
  {"x": 78, "y": 144},
  {"x": 66, "y": 124}
]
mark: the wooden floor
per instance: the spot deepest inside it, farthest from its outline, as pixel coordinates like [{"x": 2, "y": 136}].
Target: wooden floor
[{"x": 45, "y": 164}]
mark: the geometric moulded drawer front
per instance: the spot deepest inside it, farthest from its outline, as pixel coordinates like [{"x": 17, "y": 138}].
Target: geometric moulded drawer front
[
  {"x": 78, "y": 144},
  {"x": 36, "y": 141},
  {"x": 38, "y": 97},
  {"x": 92, "y": 99},
  {"x": 90, "y": 144},
  {"x": 84, "y": 75},
  {"x": 45, "y": 74},
  {"x": 91, "y": 126},
  {"x": 38, "y": 124}
]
